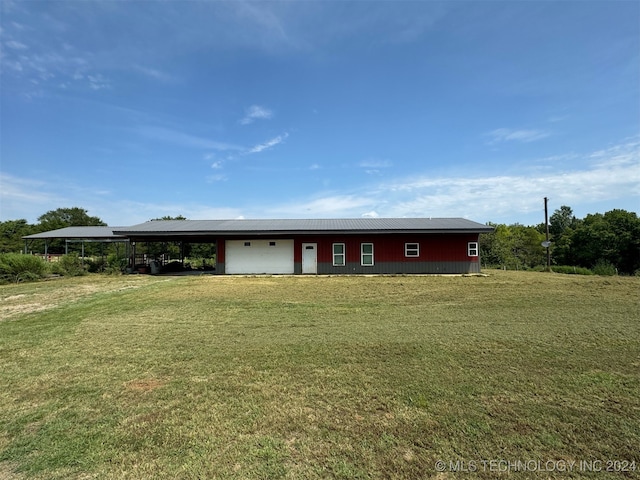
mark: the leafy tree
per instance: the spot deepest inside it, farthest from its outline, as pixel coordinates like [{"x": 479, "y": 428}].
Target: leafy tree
[
  {"x": 67, "y": 217},
  {"x": 626, "y": 228},
  {"x": 494, "y": 247},
  {"x": 11, "y": 233},
  {"x": 169, "y": 217},
  {"x": 526, "y": 246},
  {"x": 612, "y": 238},
  {"x": 561, "y": 220},
  {"x": 515, "y": 246},
  {"x": 562, "y": 225}
]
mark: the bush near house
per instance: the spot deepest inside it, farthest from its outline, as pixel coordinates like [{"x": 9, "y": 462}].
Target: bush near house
[
  {"x": 16, "y": 267},
  {"x": 68, "y": 266}
]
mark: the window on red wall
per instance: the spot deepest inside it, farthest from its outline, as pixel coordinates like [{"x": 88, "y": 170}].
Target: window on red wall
[
  {"x": 366, "y": 254},
  {"x": 411, "y": 249},
  {"x": 472, "y": 249},
  {"x": 338, "y": 255}
]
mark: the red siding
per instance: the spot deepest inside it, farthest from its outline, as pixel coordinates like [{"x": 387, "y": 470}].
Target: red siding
[
  {"x": 445, "y": 247},
  {"x": 390, "y": 248}
]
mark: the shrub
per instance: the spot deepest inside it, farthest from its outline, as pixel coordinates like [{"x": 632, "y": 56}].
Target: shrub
[
  {"x": 18, "y": 267},
  {"x": 116, "y": 264},
  {"x": 571, "y": 270},
  {"x": 69, "y": 266},
  {"x": 95, "y": 265},
  {"x": 604, "y": 268}
]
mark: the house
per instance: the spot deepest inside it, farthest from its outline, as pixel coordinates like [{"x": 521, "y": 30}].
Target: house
[{"x": 326, "y": 246}]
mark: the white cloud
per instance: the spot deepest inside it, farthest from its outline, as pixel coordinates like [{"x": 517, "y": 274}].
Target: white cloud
[
  {"x": 154, "y": 73},
  {"x": 255, "y": 112},
  {"x": 98, "y": 82},
  {"x": 615, "y": 176},
  {"x": 15, "y": 45},
  {"x": 268, "y": 144},
  {"x": 132, "y": 213},
  {"x": 372, "y": 166},
  {"x": 508, "y": 135},
  {"x": 16, "y": 189},
  {"x": 347, "y": 205},
  {"x": 216, "y": 165},
  {"x": 608, "y": 176},
  {"x": 216, "y": 178},
  {"x": 28, "y": 198},
  {"x": 182, "y": 139},
  {"x": 371, "y": 214},
  {"x": 375, "y": 163},
  {"x": 501, "y": 198}
]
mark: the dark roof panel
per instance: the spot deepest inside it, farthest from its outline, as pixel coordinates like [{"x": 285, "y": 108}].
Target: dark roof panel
[
  {"x": 84, "y": 232},
  {"x": 168, "y": 227}
]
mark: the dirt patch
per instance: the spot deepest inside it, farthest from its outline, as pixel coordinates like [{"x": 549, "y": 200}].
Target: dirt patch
[
  {"x": 144, "y": 385},
  {"x": 39, "y": 296},
  {"x": 9, "y": 310}
]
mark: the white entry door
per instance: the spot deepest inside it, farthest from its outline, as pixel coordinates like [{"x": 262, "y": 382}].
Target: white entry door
[{"x": 309, "y": 258}]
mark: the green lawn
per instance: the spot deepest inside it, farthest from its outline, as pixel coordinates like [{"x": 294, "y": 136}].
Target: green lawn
[{"x": 320, "y": 377}]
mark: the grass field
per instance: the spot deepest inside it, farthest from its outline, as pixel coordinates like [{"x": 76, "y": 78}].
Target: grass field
[{"x": 141, "y": 377}]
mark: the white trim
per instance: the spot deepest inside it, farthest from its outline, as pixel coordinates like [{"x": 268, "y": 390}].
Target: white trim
[
  {"x": 363, "y": 255},
  {"x": 473, "y": 249},
  {"x": 415, "y": 251}
]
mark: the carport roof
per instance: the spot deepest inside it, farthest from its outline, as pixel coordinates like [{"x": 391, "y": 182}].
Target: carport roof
[
  {"x": 292, "y": 226},
  {"x": 103, "y": 233}
]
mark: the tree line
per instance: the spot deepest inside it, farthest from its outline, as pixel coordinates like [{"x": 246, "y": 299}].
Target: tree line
[
  {"x": 603, "y": 243},
  {"x": 12, "y": 231},
  {"x": 606, "y": 243}
]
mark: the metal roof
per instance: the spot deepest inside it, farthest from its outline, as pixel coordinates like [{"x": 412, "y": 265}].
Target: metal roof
[
  {"x": 79, "y": 233},
  {"x": 320, "y": 226}
]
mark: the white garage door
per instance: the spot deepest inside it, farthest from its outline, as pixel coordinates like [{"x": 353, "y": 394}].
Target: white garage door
[{"x": 258, "y": 256}]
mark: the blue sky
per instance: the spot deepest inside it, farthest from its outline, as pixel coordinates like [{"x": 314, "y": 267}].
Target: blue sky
[{"x": 319, "y": 109}]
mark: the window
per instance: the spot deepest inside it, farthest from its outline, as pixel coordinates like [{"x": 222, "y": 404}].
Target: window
[
  {"x": 411, "y": 249},
  {"x": 366, "y": 254},
  {"x": 247, "y": 244},
  {"x": 338, "y": 255},
  {"x": 272, "y": 244},
  {"x": 472, "y": 249}
]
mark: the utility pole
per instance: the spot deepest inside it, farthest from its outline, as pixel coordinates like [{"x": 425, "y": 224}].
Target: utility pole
[{"x": 546, "y": 224}]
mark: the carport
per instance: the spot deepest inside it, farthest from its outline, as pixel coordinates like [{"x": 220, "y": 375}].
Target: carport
[{"x": 77, "y": 235}]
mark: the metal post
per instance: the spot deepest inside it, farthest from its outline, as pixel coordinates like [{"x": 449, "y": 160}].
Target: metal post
[{"x": 546, "y": 224}]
